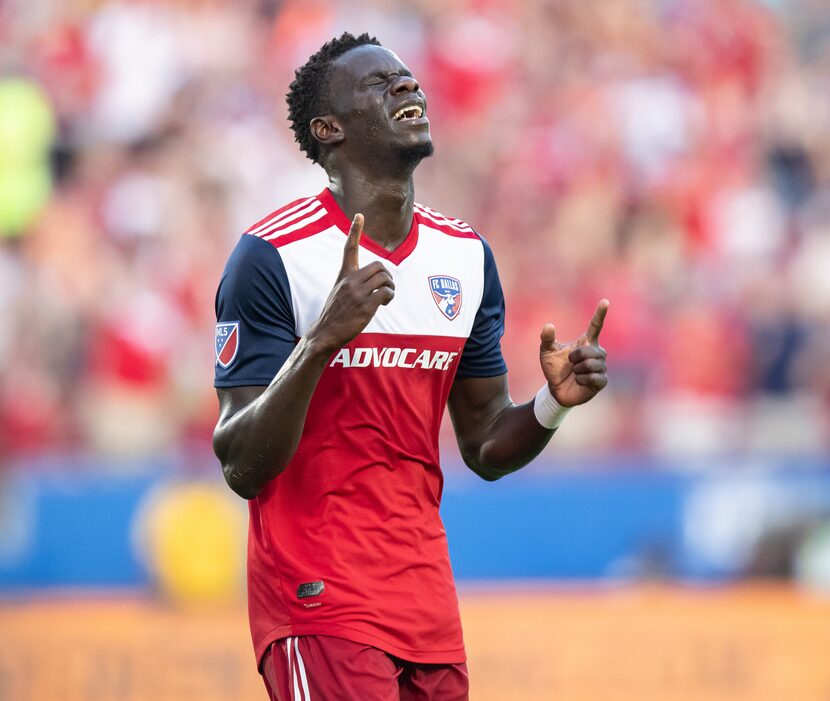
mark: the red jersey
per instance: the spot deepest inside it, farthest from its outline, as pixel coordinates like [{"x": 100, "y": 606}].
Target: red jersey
[{"x": 348, "y": 540}]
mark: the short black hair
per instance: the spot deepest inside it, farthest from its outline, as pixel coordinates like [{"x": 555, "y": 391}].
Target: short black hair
[{"x": 306, "y": 95}]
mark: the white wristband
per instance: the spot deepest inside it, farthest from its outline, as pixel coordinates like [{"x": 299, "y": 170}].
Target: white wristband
[{"x": 549, "y": 413}]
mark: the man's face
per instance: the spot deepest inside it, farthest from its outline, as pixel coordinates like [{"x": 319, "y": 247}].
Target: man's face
[{"x": 380, "y": 106}]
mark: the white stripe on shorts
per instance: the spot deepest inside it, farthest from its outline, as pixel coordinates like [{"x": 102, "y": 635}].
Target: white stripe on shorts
[
  {"x": 291, "y": 673},
  {"x": 299, "y": 658}
]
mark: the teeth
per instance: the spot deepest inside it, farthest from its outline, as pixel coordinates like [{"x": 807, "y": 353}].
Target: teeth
[{"x": 411, "y": 112}]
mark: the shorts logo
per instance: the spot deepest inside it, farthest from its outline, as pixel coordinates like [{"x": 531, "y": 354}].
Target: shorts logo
[
  {"x": 227, "y": 342},
  {"x": 446, "y": 291}
]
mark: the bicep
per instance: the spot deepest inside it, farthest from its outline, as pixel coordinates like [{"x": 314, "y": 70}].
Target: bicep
[
  {"x": 233, "y": 399},
  {"x": 474, "y": 403}
]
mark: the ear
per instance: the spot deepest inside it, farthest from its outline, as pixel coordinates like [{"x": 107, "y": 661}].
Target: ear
[{"x": 327, "y": 130}]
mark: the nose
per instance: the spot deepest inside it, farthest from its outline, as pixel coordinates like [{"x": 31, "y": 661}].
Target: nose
[{"x": 405, "y": 83}]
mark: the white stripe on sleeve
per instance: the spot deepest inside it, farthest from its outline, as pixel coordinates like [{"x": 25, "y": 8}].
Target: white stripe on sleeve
[
  {"x": 282, "y": 215},
  {"x": 306, "y": 211},
  {"x": 281, "y": 230}
]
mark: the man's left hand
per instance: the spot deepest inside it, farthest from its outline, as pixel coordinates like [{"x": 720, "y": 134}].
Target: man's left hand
[{"x": 575, "y": 371}]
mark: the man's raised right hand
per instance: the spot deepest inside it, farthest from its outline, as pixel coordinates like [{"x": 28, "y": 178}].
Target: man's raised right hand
[{"x": 355, "y": 297}]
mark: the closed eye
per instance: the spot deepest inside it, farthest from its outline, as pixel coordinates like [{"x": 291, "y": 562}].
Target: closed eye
[
  {"x": 384, "y": 77},
  {"x": 375, "y": 80}
]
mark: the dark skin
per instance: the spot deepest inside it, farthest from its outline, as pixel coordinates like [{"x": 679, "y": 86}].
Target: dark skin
[{"x": 370, "y": 158}]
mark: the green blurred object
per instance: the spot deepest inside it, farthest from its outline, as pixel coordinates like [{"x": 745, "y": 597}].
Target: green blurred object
[{"x": 27, "y": 130}]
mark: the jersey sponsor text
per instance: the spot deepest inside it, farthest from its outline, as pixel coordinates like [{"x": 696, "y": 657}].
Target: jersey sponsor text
[{"x": 391, "y": 357}]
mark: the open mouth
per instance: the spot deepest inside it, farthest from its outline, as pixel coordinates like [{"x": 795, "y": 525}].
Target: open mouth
[{"x": 408, "y": 112}]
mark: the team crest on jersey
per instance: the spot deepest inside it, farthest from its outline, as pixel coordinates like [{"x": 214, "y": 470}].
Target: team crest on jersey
[
  {"x": 227, "y": 342},
  {"x": 446, "y": 291}
]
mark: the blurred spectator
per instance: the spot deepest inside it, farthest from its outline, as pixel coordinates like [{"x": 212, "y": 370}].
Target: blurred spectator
[{"x": 672, "y": 156}]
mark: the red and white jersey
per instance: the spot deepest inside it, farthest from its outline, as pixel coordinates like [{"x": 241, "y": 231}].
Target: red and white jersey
[{"x": 348, "y": 541}]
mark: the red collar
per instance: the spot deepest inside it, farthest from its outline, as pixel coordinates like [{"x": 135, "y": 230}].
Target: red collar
[{"x": 396, "y": 256}]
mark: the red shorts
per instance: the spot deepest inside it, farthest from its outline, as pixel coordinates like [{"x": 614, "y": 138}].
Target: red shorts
[{"x": 323, "y": 668}]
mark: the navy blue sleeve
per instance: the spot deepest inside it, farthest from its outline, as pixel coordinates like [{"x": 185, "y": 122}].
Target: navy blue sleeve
[
  {"x": 482, "y": 353},
  {"x": 255, "y": 329}
]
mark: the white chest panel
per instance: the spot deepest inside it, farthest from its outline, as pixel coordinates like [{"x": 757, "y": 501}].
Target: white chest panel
[{"x": 312, "y": 265}]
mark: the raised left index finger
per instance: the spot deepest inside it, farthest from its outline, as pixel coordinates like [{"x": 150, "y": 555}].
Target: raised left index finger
[{"x": 597, "y": 321}]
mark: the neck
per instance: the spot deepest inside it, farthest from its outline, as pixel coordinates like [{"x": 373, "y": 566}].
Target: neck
[{"x": 386, "y": 203}]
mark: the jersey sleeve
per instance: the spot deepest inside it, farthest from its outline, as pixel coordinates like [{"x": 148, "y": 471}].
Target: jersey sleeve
[
  {"x": 482, "y": 355},
  {"x": 255, "y": 327}
]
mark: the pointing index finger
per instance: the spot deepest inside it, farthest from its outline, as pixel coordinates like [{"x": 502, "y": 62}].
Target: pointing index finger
[
  {"x": 597, "y": 321},
  {"x": 350, "y": 250}
]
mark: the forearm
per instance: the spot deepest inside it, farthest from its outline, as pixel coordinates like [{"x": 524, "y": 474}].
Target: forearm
[
  {"x": 510, "y": 440},
  {"x": 257, "y": 442},
  {"x": 259, "y": 430}
]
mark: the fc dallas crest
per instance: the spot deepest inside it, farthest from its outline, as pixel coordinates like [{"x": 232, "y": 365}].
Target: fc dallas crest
[
  {"x": 227, "y": 342},
  {"x": 446, "y": 291}
]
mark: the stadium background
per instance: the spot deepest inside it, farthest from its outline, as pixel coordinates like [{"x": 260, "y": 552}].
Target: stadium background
[{"x": 671, "y": 155}]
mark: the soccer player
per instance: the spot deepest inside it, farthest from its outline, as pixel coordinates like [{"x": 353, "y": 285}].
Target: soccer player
[{"x": 336, "y": 353}]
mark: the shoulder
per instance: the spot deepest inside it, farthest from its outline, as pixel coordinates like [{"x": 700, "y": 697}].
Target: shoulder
[
  {"x": 254, "y": 278},
  {"x": 253, "y": 264},
  {"x": 455, "y": 228},
  {"x": 444, "y": 224},
  {"x": 296, "y": 220}
]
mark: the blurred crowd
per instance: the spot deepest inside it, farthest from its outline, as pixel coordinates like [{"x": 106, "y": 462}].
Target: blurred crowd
[{"x": 671, "y": 155}]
